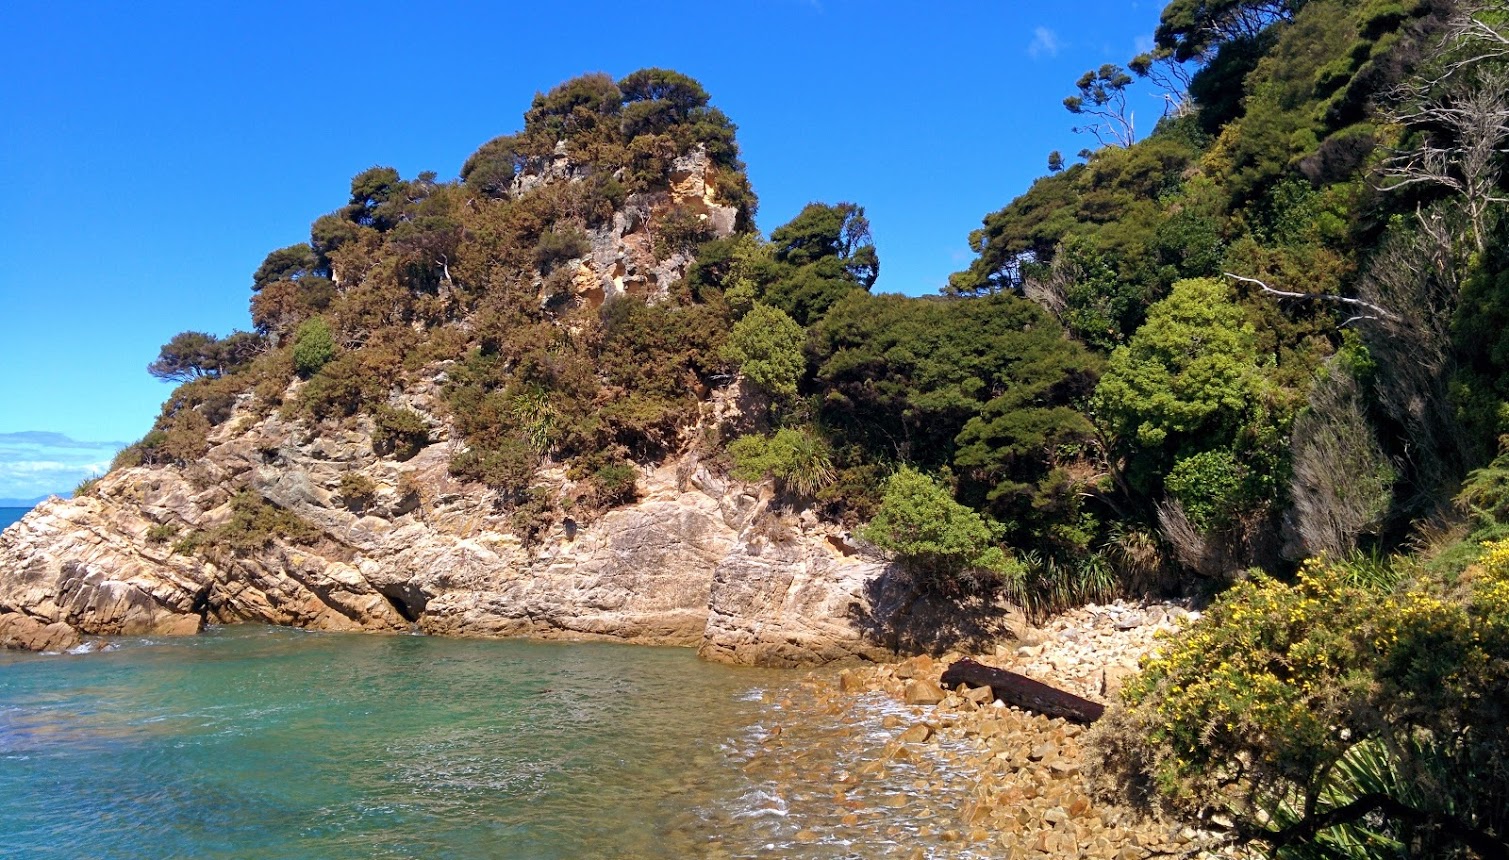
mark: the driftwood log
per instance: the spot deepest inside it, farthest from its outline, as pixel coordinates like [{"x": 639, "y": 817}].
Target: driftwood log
[{"x": 1022, "y": 691}]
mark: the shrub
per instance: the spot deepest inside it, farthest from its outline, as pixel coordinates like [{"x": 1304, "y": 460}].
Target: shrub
[
  {"x": 679, "y": 231},
  {"x": 254, "y": 523},
  {"x": 161, "y": 533},
  {"x": 1333, "y": 715},
  {"x": 400, "y": 432},
  {"x": 615, "y": 483},
  {"x": 798, "y": 460},
  {"x": 534, "y": 516},
  {"x": 313, "y": 346},
  {"x": 186, "y": 436},
  {"x": 1212, "y": 487},
  {"x": 946, "y": 543},
  {"x": 557, "y": 247},
  {"x": 508, "y": 467},
  {"x": 357, "y": 490},
  {"x": 767, "y": 346}
]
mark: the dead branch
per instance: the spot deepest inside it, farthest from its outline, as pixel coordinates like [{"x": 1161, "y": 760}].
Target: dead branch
[{"x": 1376, "y": 312}]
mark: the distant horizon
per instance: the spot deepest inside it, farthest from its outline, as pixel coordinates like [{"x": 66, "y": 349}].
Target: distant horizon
[{"x": 37, "y": 464}]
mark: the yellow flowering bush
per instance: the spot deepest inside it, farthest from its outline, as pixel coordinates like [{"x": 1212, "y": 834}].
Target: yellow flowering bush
[{"x": 1324, "y": 716}]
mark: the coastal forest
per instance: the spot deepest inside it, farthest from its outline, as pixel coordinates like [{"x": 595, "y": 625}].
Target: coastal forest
[{"x": 1257, "y": 353}]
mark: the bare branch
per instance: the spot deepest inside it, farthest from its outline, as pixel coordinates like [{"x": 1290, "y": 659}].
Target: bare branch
[{"x": 1378, "y": 312}]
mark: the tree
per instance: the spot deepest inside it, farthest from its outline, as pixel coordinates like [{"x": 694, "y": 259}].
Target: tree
[
  {"x": 374, "y": 192},
  {"x": 657, "y": 99},
  {"x": 943, "y": 542},
  {"x": 1194, "y": 29},
  {"x": 1461, "y": 118},
  {"x": 1168, "y": 74},
  {"x": 194, "y": 354},
  {"x": 822, "y": 254},
  {"x": 1102, "y": 97},
  {"x": 767, "y": 346},
  {"x": 1188, "y": 376},
  {"x": 492, "y": 168},
  {"x": 286, "y": 264},
  {"x": 189, "y": 355}
]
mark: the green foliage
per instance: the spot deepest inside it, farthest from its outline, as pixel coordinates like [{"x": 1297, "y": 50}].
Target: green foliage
[
  {"x": 313, "y": 347},
  {"x": 821, "y": 255},
  {"x": 286, "y": 264},
  {"x": 509, "y": 466},
  {"x": 1213, "y": 488},
  {"x": 615, "y": 483},
  {"x": 555, "y": 248},
  {"x": 1102, "y": 97},
  {"x": 357, "y": 490},
  {"x": 492, "y": 168},
  {"x": 400, "y": 432},
  {"x": 798, "y": 460},
  {"x": 1192, "y": 29},
  {"x": 942, "y": 541},
  {"x": 767, "y": 346},
  {"x": 1316, "y": 714},
  {"x": 252, "y": 525},
  {"x": 1190, "y": 378},
  {"x": 161, "y": 533},
  {"x": 988, "y": 386},
  {"x": 193, "y": 355}
]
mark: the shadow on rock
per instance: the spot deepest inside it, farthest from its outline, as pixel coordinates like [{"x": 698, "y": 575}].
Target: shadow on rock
[{"x": 902, "y": 615}]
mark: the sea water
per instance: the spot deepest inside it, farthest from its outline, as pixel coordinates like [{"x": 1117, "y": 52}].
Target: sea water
[
  {"x": 11, "y": 515},
  {"x": 257, "y": 742}
]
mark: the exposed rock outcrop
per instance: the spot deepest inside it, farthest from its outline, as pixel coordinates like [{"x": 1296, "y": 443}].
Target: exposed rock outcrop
[{"x": 698, "y": 561}]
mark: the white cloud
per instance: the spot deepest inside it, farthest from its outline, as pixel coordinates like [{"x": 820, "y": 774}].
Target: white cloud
[
  {"x": 1045, "y": 43},
  {"x": 36, "y": 464}
]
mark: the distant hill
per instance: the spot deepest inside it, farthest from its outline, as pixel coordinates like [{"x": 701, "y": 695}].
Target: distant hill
[{"x": 29, "y": 503}]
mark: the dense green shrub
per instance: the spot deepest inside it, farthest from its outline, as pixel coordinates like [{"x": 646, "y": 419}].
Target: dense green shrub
[
  {"x": 557, "y": 247},
  {"x": 948, "y": 545},
  {"x": 253, "y": 524},
  {"x": 313, "y": 347},
  {"x": 357, "y": 490},
  {"x": 797, "y": 459},
  {"x": 1332, "y": 715},
  {"x": 767, "y": 346},
  {"x": 509, "y": 466},
  {"x": 399, "y": 432}
]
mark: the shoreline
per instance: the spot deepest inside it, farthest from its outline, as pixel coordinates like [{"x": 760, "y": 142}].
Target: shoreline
[{"x": 986, "y": 779}]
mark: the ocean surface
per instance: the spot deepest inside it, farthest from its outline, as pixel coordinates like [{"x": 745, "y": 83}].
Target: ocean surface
[
  {"x": 255, "y": 742},
  {"x": 11, "y": 515}
]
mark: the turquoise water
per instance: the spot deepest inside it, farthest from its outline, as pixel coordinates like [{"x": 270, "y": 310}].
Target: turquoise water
[
  {"x": 267, "y": 743},
  {"x": 10, "y": 515}
]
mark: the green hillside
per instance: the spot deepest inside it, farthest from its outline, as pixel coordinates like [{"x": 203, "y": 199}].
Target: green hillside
[{"x": 1263, "y": 344}]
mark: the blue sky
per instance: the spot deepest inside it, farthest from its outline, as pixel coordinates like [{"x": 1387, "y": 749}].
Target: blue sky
[{"x": 153, "y": 153}]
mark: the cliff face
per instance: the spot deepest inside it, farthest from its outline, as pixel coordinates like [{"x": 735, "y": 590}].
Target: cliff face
[{"x": 697, "y": 561}]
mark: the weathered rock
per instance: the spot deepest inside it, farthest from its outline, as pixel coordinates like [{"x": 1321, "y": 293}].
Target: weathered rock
[
  {"x": 916, "y": 734},
  {"x": 22, "y": 632},
  {"x": 921, "y": 692},
  {"x": 699, "y": 561}
]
